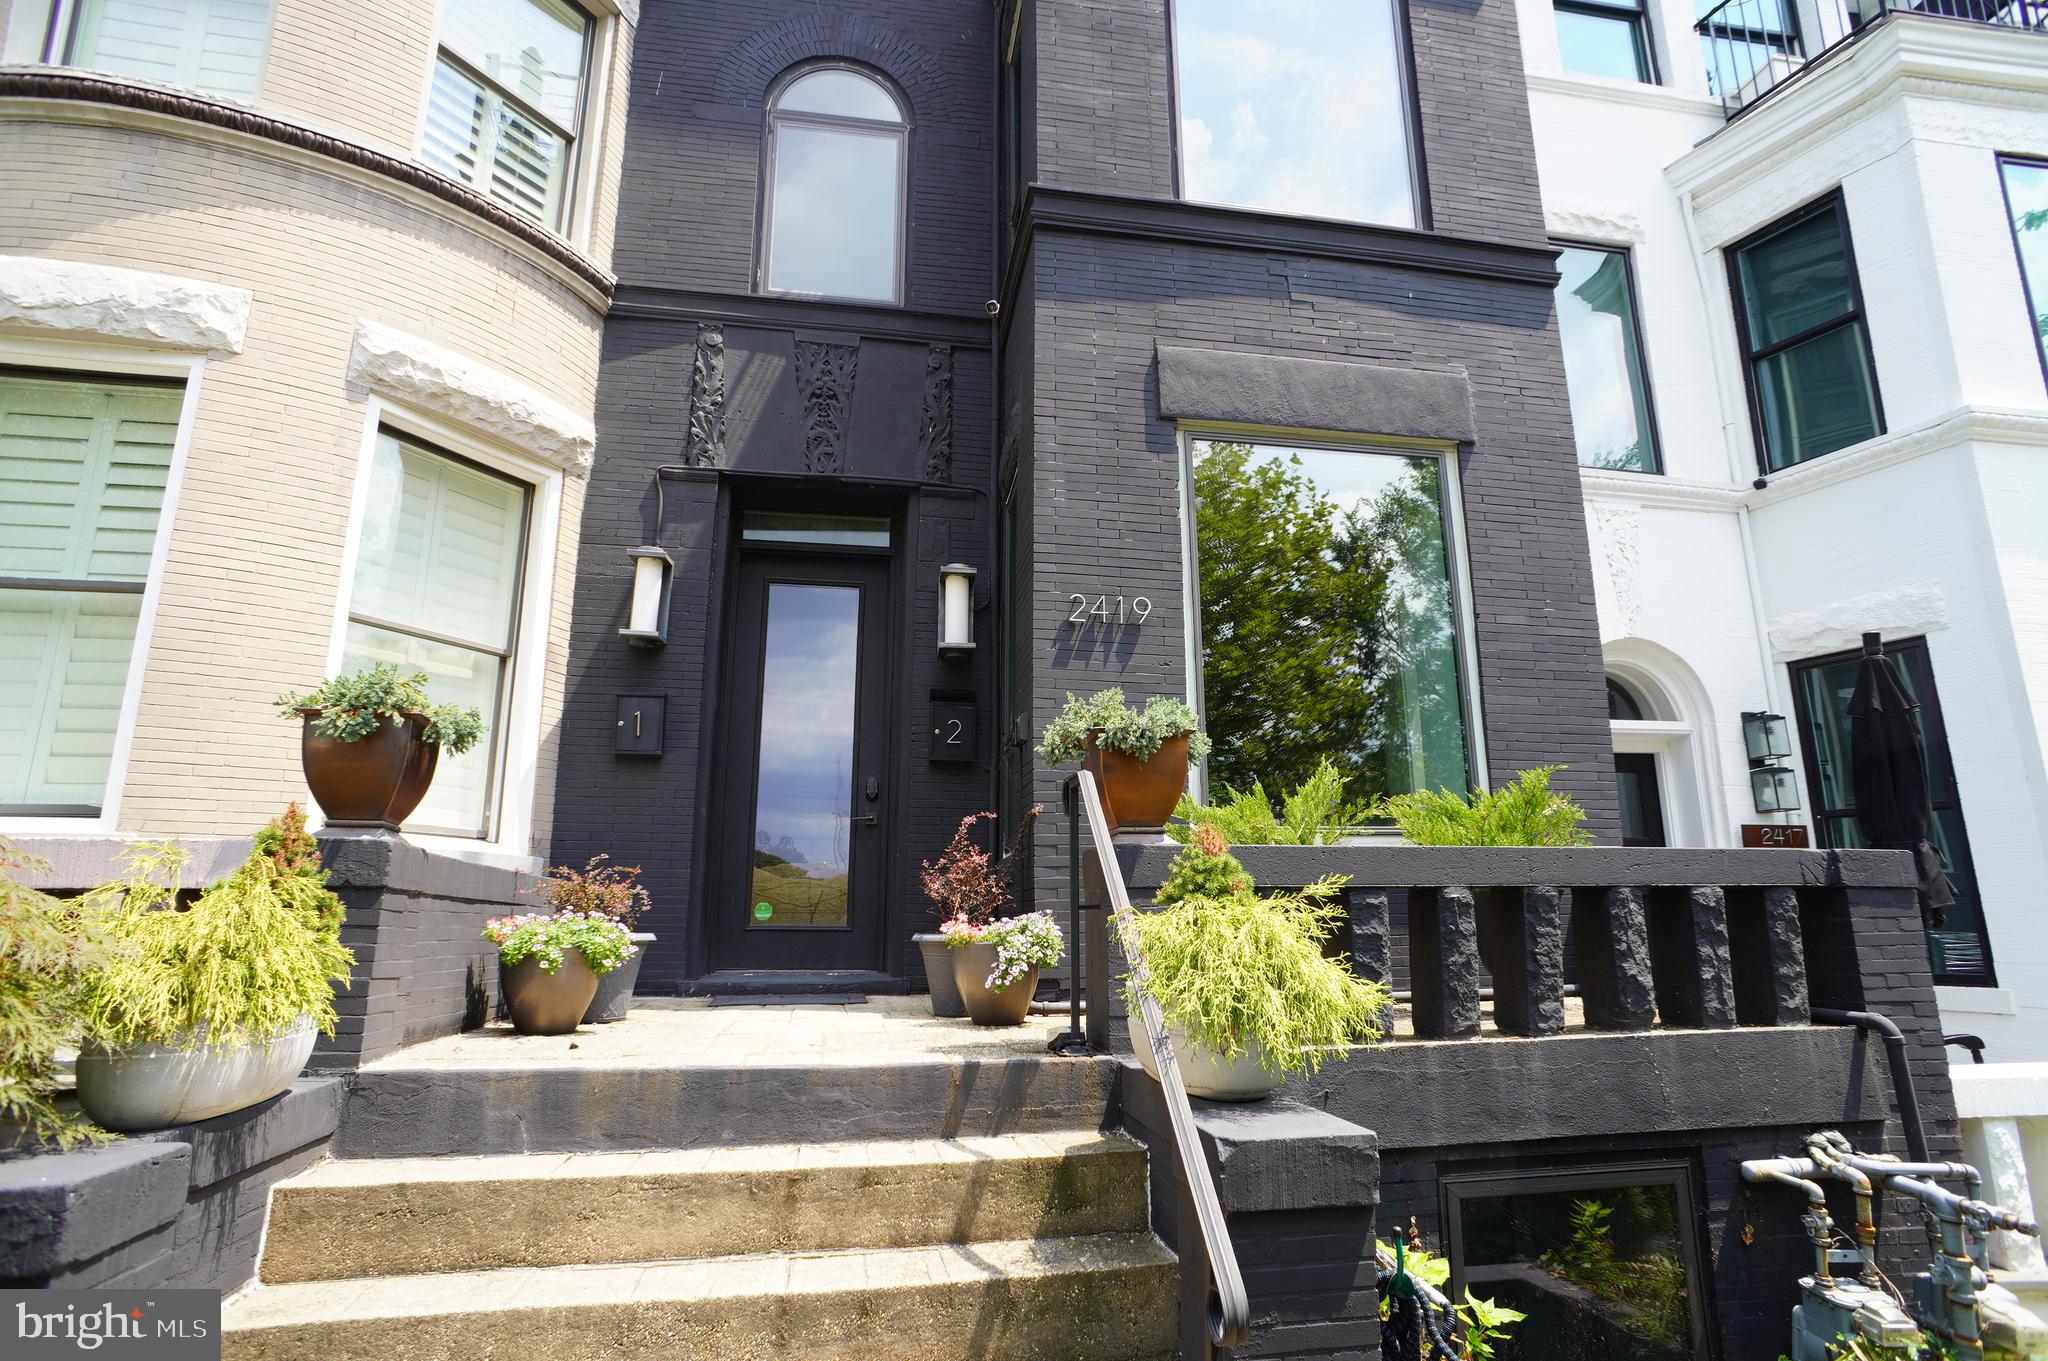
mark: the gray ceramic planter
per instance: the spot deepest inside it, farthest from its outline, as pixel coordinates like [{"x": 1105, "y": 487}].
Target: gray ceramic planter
[
  {"x": 938, "y": 975},
  {"x": 1206, "y": 1073},
  {"x": 154, "y": 1086},
  {"x": 971, "y": 967},
  {"x": 615, "y": 989}
]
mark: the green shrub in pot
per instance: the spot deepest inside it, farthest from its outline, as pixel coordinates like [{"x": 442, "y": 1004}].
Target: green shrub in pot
[
  {"x": 209, "y": 1007},
  {"x": 1139, "y": 756},
  {"x": 371, "y": 741},
  {"x": 1241, "y": 978},
  {"x": 48, "y": 949}
]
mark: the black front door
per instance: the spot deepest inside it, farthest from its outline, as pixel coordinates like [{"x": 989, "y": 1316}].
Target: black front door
[{"x": 801, "y": 809}]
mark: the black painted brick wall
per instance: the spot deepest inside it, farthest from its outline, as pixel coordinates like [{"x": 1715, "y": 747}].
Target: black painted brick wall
[
  {"x": 689, "y": 195},
  {"x": 688, "y": 219},
  {"x": 1104, "y": 469}
]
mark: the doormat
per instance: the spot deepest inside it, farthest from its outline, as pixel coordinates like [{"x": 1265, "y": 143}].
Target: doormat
[{"x": 791, "y": 999}]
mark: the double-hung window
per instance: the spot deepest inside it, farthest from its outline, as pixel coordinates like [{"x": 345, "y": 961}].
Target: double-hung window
[
  {"x": 1298, "y": 108},
  {"x": 1605, "y": 38},
  {"x": 214, "y": 46},
  {"x": 437, "y": 589},
  {"x": 83, "y": 463},
  {"x": 1329, "y": 621},
  {"x": 2026, "y": 198},
  {"x": 1812, "y": 385},
  {"x": 507, "y": 101},
  {"x": 1603, "y": 360}
]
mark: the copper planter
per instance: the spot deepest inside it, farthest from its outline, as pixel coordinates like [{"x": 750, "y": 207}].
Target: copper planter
[
  {"x": 1139, "y": 796},
  {"x": 375, "y": 781},
  {"x": 547, "y": 1003}
]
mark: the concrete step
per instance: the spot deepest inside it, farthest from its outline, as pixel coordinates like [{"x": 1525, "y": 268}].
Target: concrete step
[
  {"x": 1107, "y": 1297},
  {"x": 393, "y": 1216},
  {"x": 398, "y": 1108}
]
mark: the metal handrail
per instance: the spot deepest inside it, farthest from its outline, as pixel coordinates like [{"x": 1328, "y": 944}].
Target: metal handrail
[{"x": 1229, "y": 1307}]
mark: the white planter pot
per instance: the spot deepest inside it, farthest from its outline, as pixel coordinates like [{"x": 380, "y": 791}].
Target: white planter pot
[
  {"x": 1204, "y": 1072},
  {"x": 152, "y": 1086}
]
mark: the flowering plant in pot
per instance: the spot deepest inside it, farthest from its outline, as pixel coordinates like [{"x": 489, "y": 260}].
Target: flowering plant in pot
[
  {"x": 969, "y": 888},
  {"x": 370, "y": 742},
  {"x": 614, "y": 892},
  {"x": 1140, "y": 756},
  {"x": 996, "y": 965},
  {"x": 1241, "y": 978},
  {"x": 207, "y": 1008},
  {"x": 549, "y": 965}
]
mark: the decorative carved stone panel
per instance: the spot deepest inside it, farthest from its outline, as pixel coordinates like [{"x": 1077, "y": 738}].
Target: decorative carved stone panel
[
  {"x": 706, "y": 447},
  {"x": 824, "y": 379},
  {"x": 935, "y": 429}
]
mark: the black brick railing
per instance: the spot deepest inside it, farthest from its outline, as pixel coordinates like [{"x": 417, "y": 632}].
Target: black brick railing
[
  {"x": 1691, "y": 939},
  {"x": 1754, "y": 46}
]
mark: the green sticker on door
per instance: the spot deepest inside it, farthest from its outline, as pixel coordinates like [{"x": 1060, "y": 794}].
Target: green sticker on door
[{"x": 762, "y": 912}]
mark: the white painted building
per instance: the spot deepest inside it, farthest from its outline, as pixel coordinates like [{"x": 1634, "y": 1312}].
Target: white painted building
[{"x": 1834, "y": 418}]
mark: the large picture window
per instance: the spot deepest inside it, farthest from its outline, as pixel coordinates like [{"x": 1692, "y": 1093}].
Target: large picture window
[
  {"x": 215, "y": 46},
  {"x": 1960, "y": 949},
  {"x": 1812, "y": 385},
  {"x": 1604, "y": 1261},
  {"x": 1328, "y": 621},
  {"x": 2026, "y": 197},
  {"x": 83, "y": 463},
  {"x": 1603, "y": 360},
  {"x": 836, "y": 150},
  {"x": 507, "y": 100},
  {"x": 1296, "y": 108},
  {"x": 437, "y": 585}
]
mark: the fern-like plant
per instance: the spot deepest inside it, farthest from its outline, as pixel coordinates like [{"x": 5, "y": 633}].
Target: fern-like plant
[
  {"x": 1527, "y": 812},
  {"x": 1314, "y": 813},
  {"x": 245, "y": 961},
  {"x": 47, "y": 949},
  {"x": 1242, "y": 973}
]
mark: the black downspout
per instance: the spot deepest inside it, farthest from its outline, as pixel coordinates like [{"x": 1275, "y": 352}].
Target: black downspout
[{"x": 1902, "y": 1074}]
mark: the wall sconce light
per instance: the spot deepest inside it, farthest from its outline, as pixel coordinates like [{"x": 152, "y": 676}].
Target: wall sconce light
[
  {"x": 1773, "y": 789},
  {"x": 1766, "y": 736},
  {"x": 956, "y": 610},
  {"x": 653, "y": 578}
]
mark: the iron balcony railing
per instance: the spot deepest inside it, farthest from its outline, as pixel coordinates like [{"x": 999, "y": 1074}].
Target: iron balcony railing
[
  {"x": 1754, "y": 46},
  {"x": 1229, "y": 1306}
]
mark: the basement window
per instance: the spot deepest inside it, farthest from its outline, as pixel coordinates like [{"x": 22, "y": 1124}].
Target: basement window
[{"x": 1604, "y": 1261}]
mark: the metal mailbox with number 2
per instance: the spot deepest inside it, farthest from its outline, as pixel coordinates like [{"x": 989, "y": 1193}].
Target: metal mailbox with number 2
[{"x": 953, "y": 732}]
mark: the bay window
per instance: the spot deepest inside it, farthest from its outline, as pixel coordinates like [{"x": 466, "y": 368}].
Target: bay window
[
  {"x": 214, "y": 46},
  {"x": 1329, "y": 624},
  {"x": 437, "y": 586},
  {"x": 1299, "y": 108},
  {"x": 1812, "y": 385},
  {"x": 83, "y": 465},
  {"x": 507, "y": 101},
  {"x": 1603, "y": 360}
]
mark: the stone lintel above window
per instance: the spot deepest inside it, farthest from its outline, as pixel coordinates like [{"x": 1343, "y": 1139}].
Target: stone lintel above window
[{"x": 1314, "y": 394}]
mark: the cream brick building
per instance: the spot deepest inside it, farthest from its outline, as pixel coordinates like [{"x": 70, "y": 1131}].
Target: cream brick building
[{"x": 280, "y": 391}]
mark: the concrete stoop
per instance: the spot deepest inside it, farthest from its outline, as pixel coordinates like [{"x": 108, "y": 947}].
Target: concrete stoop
[{"x": 1028, "y": 1246}]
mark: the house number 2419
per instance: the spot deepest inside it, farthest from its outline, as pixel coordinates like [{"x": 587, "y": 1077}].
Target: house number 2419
[{"x": 1099, "y": 609}]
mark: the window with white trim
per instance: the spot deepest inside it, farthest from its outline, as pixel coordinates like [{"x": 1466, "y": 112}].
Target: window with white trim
[
  {"x": 437, "y": 585},
  {"x": 215, "y": 46},
  {"x": 507, "y": 101},
  {"x": 83, "y": 465}
]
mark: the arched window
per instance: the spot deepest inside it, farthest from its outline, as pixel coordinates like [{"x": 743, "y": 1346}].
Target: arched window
[
  {"x": 1622, "y": 702},
  {"x": 834, "y": 209}
]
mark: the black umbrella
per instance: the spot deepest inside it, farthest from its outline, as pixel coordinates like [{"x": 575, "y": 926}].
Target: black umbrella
[{"x": 1888, "y": 770}]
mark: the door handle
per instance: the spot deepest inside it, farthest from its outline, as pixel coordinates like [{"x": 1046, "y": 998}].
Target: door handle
[{"x": 870, "y": 817}]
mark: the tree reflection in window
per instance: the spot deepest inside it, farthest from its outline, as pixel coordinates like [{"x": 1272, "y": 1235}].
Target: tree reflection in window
[{"x": 1327, "y": 618}]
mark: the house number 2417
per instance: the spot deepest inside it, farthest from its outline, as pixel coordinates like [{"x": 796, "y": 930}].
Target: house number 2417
[{"x": 1099, "y": 609}]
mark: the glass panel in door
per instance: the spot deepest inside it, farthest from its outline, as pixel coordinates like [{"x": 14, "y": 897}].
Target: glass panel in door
[{"x": 803, "y": 799}]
